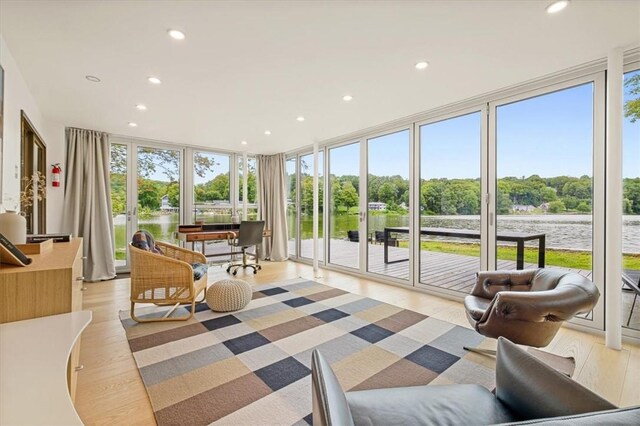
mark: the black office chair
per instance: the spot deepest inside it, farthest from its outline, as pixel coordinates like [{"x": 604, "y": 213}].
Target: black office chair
[{"x": 249, "y": 234}]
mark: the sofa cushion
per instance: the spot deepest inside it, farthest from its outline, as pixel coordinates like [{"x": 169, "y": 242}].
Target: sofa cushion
[
  {"x": 143, "y": 240},
  {"x": 423, "y": 405},
  {"x": 621, "y": 416},
  {"x": 533, "y": 390},
  {"x": 199, "y": 270}
]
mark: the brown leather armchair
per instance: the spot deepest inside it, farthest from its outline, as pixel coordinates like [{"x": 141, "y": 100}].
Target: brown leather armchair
[{"x": 528, "y": 306}]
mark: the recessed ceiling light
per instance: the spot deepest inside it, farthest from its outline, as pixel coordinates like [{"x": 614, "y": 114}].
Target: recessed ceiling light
[
  {"x": 243, "y": 142},
  {"x": 557, "y": 6},
  {"x": 300, "y": 118},
  {"x": 132, "y": 124},
  {"x": 141, "y": 107},
  {"x": 154, "y": 80},
  {"x": 422, "y": 65},
  {"x": 92, "y": 78},
  {"x": 347, "y": 98},
  {"x": 176, "y": 34},
  {"x": 267, "y": 132}
]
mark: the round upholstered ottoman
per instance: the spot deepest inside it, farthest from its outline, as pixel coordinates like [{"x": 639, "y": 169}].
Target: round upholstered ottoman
[{"x": 228, "y": 295}]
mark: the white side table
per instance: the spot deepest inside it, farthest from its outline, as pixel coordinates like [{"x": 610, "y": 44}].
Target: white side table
[{"x": 33, "y": 369}]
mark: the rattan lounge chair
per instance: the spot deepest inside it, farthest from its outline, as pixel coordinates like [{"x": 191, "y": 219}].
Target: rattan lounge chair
[{"x": 166, "y": 279}]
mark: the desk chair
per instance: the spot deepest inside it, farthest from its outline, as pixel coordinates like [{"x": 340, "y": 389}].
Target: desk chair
[{"x": 249, "y": 234}]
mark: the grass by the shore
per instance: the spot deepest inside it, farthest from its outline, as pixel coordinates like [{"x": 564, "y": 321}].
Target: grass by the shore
[{"x": 563, "y": 258}]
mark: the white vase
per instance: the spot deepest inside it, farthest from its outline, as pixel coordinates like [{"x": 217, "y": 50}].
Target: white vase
[{"x": 14, "y": 227}]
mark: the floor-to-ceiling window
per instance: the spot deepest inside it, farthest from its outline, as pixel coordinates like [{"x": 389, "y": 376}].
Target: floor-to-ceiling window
[
  {"x": 252, "y": 190},
  {"x": 450, "y": 202},
  {"x": 159, "y": 191},
  {"x": 344, "y": 205},
  {"x": 292, "y": 204},
  {"x": 544, "y": 169},
  {"x": 119, "y": 201},
  {"x": 211, "y": 192},
  {"x": 520, "y": 180},
  {"x": 388, "y": 232},
  {"x": 545, "y": 181},
  {"x": 306, "y": 205},
  {"x": 631, "y": 201}
]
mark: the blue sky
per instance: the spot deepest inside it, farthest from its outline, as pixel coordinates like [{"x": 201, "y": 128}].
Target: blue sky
[{"x": 549, "y": 135}]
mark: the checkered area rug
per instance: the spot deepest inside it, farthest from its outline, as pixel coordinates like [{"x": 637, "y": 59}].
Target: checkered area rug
[{"x": 252, "y": 366}]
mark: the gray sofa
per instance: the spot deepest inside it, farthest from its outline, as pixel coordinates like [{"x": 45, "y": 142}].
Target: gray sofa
[{"x": 527, "y": 392}]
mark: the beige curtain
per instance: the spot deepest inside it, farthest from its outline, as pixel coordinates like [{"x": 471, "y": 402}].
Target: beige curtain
[
  {"x": 272, "y": 205},
  {"x": 87, "y": 200}
]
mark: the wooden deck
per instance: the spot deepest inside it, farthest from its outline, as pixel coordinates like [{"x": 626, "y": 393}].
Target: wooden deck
[{"x": 443, "y": 270}]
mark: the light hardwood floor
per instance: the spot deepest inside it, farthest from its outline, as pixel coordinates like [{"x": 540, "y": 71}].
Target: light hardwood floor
[{"x": 110, "y": 390}]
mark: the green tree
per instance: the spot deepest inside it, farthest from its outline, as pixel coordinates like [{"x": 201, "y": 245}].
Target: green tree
[
  {"x": 584, "y": 207},
  {"x": 349, "y": 196},
  {"x": 556, "y": 207},
  {"x": 173, "y": 192},
  {"x": 148, "y": 195},
  {"x": 387, "y": 193},
  {"x": 631, "y": 191},
  {"x": 632, "y": 106},
  {"x": 548, "y": 194}
]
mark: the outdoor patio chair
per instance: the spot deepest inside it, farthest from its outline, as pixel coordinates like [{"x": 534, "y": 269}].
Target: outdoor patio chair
[
  {"x": 379, "y": 239},
  {"x": 631, "y": 279},
  {"x": 354, "y": 236}
]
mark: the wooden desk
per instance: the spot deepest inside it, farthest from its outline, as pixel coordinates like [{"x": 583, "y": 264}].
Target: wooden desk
[
  {"x": 33, "y": 365},
  {"x": 517, "y": 237},
  {"x": 204, "y": 236}
]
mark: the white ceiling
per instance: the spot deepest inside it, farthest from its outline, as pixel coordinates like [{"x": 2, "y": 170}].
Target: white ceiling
[{"x": 250, "y": 66}]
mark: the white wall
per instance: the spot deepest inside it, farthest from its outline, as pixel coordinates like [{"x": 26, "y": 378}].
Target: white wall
[{"x": 17, "y": 97}]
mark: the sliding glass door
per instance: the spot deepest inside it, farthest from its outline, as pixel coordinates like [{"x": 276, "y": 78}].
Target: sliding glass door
[
  {"x": 344, "y": 205},
  {"x": 120, "y": 207},
  {"x": 146, "y": 193},
  {"x": 159, "y": 192},
  {"x": 388, "y": 205},
  {"x": 450, "y": 202},
  {"x": 306, "y": 205},
  {"x": 548, "y": 172},
  {"x": 292, "y": 204},
  {"x": 631, "y": 204}
]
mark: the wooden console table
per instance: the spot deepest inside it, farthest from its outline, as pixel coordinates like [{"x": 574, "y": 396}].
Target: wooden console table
[
  {"x": 33, "y": 366},
  {"x": 52, "y": 284}
]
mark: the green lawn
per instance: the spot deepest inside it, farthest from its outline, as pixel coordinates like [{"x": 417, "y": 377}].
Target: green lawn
[{"x": 567, "y": 259}]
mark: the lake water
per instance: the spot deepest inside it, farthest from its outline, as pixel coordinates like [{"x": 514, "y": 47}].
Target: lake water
[{"x": 563, "y": 231}]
